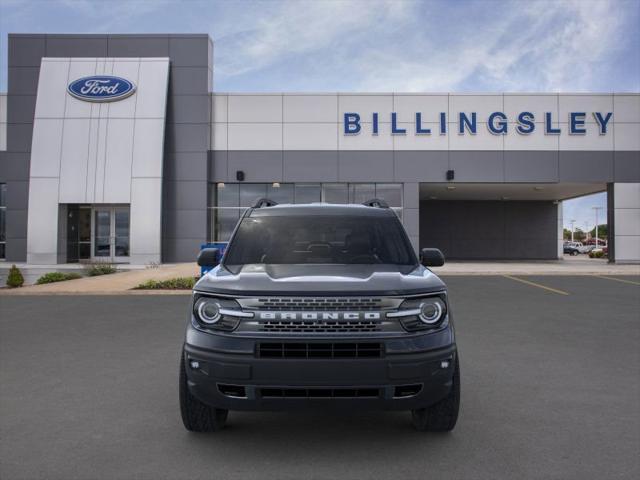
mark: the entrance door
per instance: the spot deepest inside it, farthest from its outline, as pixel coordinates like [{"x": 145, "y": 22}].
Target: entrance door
[
  {"x": 78, "y": 233},
  {"x": 111, "y": 234}
]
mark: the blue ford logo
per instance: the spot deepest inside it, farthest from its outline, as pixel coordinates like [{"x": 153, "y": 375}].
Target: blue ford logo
[{"x": 101, "y": 88}]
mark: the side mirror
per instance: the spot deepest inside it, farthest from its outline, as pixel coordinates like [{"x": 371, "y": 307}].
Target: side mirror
[
  {"x": 208, "y": 257},
  {"x": 431, "y": 257}
]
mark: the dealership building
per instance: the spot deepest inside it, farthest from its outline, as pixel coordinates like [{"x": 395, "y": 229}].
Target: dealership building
[{"x": 117, "y": 148}]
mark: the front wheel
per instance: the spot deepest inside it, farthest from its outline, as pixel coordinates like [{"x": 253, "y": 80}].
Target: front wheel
[
  {"x": 198, "y": 416},
  {"x": 442, "y": 416}
]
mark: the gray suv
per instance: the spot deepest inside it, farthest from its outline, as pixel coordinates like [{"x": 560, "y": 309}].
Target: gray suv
[{"x": 319, "y": 305}]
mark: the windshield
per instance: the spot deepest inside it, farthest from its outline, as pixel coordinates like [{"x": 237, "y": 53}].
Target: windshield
[{"x": 320, "y": 240}]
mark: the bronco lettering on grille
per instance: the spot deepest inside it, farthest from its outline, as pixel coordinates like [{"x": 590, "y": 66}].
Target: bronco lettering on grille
[{"x": 319, "y": 315}]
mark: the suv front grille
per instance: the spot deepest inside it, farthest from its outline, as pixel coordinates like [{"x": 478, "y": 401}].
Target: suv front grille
[
  {"x": 319, "y": 326},
  {"x": 320, "y": 350},
  {"x": 318, "y": 303}
]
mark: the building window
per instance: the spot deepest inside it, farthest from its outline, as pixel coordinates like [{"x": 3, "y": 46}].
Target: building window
[
  {"x": 3, "y": 217},
  {"x": 228, "y": 201}
]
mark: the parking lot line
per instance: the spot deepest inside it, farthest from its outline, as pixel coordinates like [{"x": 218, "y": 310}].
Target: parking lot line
[
  {"x": 534, "y": 284},
  {"x": 618, "y": 279}
]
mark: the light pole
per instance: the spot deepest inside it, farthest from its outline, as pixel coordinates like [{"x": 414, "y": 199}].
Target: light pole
[
  {"x": 596, "y": 209},
  {"x": 572, "y": 228},
  {"x": 586, "y": 231}
]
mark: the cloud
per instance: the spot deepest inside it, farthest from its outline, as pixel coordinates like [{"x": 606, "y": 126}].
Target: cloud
[
  {"x": 277, "y": 32},
  {"x": 436, "y": 46},
  {"x": 376, "y": 45}
]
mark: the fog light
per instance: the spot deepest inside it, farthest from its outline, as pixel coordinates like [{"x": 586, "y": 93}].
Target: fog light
[
  {"x": 194, "y": 364},
  {"x": 444, "y": 364}
]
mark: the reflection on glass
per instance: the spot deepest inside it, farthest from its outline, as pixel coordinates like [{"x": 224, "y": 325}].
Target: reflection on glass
[
  {"x": 335, "y": 193},
  {"x": 280, "y": 194},
  {"x": 3, "y": 232},
  {"x": 224, "y": 222},
  {"x": 390, "y": 192},
  {"x": 3, "y": 213},
  {"x": 361, "y": 192},
  {"x": 250, "y": 192},
  {"x": 103, "y": 233},
  {"x": 227, "y": 201},
  {"x": 84, "y": 225},
  {"x": 121, "y": 221},
  {"x": 307, "y": 192},
  {"x": 226, "y": 194}
]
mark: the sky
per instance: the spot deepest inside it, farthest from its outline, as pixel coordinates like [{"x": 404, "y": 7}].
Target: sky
[{"x": 378, "y": 45}]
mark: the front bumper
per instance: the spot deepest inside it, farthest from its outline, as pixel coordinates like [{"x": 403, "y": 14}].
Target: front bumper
[{"x": 414, "y": 372}]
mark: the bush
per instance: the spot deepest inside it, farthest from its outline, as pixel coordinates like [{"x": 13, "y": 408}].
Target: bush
[
  {"x": 596, "y": 254},
  {"x": 52, "y": 277},
  {"x": 179, "y": 283},
  {"x": 100, "y": 269},
  {"x": 15, "y": 278}
]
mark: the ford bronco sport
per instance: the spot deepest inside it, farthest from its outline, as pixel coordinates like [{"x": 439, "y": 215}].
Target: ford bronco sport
[{"x": 319, "y": 305}]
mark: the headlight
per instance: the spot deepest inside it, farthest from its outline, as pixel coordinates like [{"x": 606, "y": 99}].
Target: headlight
[
  {"x": 218, "y": 313},
  {"x": 431, "y": 311},
  {"x": 208, "y": 310},
  {"x": 421, "y": 313}
]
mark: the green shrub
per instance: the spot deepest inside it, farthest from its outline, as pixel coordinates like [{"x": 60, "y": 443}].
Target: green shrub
[
  {"x": 100, "y": 269},
  {"x": 52, "y": 277},
  {"x": 179, "y": 283},
  {"x": 596, "y": 254},
  {"x": 15, "y": 278}
]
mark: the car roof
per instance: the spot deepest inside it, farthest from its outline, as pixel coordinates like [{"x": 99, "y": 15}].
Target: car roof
[{"x": 319, "y": 209}]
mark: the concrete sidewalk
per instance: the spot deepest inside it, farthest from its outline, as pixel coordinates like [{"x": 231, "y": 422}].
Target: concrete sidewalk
[
  {"x": 116, "y": 283},
  {"x": 581, "y": 265},
  {"x": 124, "y": 282}
]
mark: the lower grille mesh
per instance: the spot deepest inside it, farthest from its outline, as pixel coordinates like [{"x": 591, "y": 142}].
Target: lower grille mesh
[
  {"x": 319, "y": 392},
  {"x": 320, "y": 326},
  {"x": 320, "y": 350}
]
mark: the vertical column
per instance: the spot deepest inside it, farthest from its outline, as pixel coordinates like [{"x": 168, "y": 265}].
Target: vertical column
[
  {"x": 25, "y": 52},
  {"x": 560, "y": 236},
  {"x": 626, "y": 222},
  {"x": 411, "y": 212},
  {"x": 186, "y": 148}
]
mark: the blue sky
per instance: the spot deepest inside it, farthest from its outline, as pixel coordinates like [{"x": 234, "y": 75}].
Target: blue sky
[{"x": 370, "y": 45}]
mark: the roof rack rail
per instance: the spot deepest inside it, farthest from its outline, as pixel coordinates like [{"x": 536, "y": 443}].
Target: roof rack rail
[
  {"x": 376, "y": 202},
  {"x": 264, "y": 202}
]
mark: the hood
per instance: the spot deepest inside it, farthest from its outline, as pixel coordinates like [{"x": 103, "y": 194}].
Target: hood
[{"x": 341, "y": 280}]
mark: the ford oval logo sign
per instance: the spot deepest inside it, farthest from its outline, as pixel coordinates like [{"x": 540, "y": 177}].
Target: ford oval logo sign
[{"x": 101, "y": 88}]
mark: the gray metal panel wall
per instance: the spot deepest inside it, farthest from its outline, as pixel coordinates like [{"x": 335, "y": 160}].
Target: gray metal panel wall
[
  {"x": 490, "y": 230},
  {"x": 187, "y": 127},
  {"x": 515, "y": 166}
]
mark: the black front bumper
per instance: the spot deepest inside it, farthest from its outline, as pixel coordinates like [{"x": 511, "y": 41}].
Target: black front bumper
[{"x": 413, "y": 372}]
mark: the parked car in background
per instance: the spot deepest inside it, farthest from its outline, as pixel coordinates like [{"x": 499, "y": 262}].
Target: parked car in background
[
  {"x": 572, "y": 248},
  {"x": 586, "y": 248}
]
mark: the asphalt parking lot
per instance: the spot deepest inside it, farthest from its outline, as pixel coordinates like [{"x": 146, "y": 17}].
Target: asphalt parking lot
[{"x": 550, "y": 389}]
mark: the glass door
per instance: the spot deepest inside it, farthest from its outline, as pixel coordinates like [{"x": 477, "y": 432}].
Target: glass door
[
  {"x": 111, "y": 234},
  {"x": 120, "y": 229}
]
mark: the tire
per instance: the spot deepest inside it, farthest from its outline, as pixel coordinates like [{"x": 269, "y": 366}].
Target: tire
[
  {"x": 574, "y": 253},
  {"x": 198, "y": 416},
  {"x": 442, "y": 416}
]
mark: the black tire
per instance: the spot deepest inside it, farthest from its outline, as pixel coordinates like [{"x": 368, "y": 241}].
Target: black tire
[
  {"x": 442, "y": 416},
  {"x": 198, "y": 416},
  {"x": 575, "y": 252}
]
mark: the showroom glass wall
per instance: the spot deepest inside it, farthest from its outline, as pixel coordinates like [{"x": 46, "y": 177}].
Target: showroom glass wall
[
  {"x": 227, "y": 201},
  {"x": 3, "y": 216}
]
